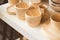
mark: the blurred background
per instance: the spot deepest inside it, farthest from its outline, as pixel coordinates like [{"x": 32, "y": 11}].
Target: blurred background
[{"x": 3, "y": 1}]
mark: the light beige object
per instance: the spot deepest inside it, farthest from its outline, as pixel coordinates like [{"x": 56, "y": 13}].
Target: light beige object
[
  {"x": 21, "y": 9},
  {"x": 54, "y": 3},
  {"x": 53, "y": 30},
  {"x": 33, "y": 17},
  {"x": 35, "y": 1},
  {"x": 56, "y": 20},
  {"x": 56, "y": 8},
  {"x": 12, "y": 2},
  {"x": 53, "y": 6},
  {"x": 44, "y": 12},
  {"x": 24, "y": 38},
  {"x": 57, "y": 1},
  {"x": 10, "y": 11}
]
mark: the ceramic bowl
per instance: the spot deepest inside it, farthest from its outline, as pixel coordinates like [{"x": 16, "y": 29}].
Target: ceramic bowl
[{"x": 53, "y": 6}]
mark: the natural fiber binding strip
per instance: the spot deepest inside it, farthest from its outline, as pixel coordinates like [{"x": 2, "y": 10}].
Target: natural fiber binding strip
[{"x": 12, "y": 13}]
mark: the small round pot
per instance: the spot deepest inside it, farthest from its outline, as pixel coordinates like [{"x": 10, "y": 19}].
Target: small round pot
[{"x": 33, "y": 20}]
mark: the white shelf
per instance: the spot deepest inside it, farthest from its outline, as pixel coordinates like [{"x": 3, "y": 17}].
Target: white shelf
[{"x": 21, "y": 26}]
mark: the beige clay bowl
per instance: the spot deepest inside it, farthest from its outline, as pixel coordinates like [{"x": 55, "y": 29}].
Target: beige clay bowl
[
  {"x": 56, "y": 8},
  {"x": 33, "y": 19},
  {"x": 56, "y": 20},
  {"x": 52, "y": 3},
  {"x": 21, "y": 10},
  {"x": 57, "y": 1}
]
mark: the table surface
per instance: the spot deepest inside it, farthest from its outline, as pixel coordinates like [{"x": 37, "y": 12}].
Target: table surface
[{"x": 21, "y": 26}]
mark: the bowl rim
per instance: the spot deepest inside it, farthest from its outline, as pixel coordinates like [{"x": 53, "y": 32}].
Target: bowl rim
[
  {"x": 55, "y": 2},
  {"x": 52, "y": 17}
]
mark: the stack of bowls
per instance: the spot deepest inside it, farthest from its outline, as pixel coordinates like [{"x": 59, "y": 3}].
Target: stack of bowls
[{"x": 55, "y": 5}]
